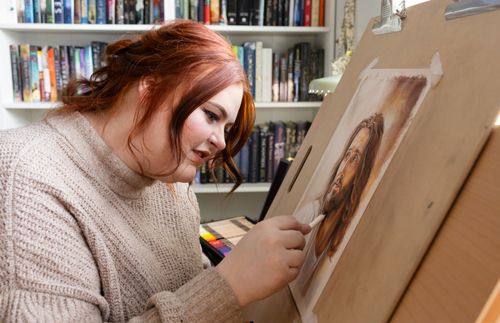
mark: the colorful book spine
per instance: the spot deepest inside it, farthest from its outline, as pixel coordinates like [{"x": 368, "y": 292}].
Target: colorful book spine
[
  {"x": 57, "y": 62},
  {"x": 100, "y": 12},
  {"x": 34, "y": 75},
  {"x": 214, "y": 12},
  {"x": 24, "y": 53},
  {"x": 51, "y": 62},
  {"x": 37, "y": 15},
  {"x": 45, "y": 74},
  {"x": 68, "y": 11},
  {"x": 49, "y": 12},
  {"x": 28, "y": 11},
  {"x": 92, "y": 12}
]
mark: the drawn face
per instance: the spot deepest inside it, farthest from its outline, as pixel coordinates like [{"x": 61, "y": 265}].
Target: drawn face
[{"x": 350, "y": 163}]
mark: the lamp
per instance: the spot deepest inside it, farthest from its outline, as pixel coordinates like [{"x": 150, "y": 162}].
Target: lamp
[{"x": 325, "y": 85}]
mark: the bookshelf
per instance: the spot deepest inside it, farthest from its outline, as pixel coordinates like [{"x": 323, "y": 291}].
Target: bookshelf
[{"x": 214, "y": 203}]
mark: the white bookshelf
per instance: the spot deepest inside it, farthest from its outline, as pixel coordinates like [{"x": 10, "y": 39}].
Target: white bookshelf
[{"x": 214, "y": 203}]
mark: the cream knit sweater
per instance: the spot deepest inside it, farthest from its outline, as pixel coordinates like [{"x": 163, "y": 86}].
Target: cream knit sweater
[{"x": 85, "y": 239}]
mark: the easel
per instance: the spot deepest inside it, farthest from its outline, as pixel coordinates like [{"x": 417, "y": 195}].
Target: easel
[{"x": 370, "y": 282}]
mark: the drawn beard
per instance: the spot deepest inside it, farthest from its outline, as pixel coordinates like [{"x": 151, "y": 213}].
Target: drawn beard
[{"x": 337, "y": 200}]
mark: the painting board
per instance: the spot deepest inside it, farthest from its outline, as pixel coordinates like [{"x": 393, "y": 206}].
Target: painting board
[{"x": 425, "y": 173}]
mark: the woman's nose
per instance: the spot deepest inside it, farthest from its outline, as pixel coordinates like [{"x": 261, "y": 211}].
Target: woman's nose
[{"x": 217, "y": 139}]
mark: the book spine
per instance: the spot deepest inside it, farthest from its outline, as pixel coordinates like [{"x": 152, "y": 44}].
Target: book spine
[
  {"x": 92, "y": 11},
  {"x": 249, "y": 48},
  {"x": 305, "y": 79},
  {"x": 268, "y": 15},
  {"x": 100, "y": 12},
  {"x": 16, "y": 75},
  {"x": 28, "y": 11},
  {"x": 244, "y": 161},
  {"x": 321, "y": 14},
  {"x": 47, "y": 91},
  {"x": 89, "y": 62},
  {"x": 307, "y": 13},
  {"x": 254, "y": 158},
  {"x": 279, "y": 14},
  {"x": 84, "y": 8},
  {"x": 243, "y": 12},
  {"x": 110, "y": 17},
  {"x": 24, "y": 53},
  {"x": 193, "y": 9},
  {"x": 68, "y": 11},
  {"x": 63, "y": 61},
  {"x": 58, "y": 12},
  {"x": 57, "y": 64},
  {"x": 270, "y": 153},
  {"x": 232, "y": 12},
  {"x": 315, "y": 13},
  {"x": 291, "y": 14},
  {"x": 258, "y": 71},
  {"x": 139, "y": 12},
  {"x": 262, "y": 5},
  {"x": 290, "y": 94},
  {"x": 279, "y": 144},
  {"x": 296, "y": 73},
  {"x": 37, "y": 15},
  {"x": 264, "y": 130},
  {"x": 51, "y": 62},
  {"x": 49, "y": 12},
  {"x": 34, "y": 74},
  {"x": 223, "y": 12},
  {"x": 276, "y": 77},
  {"x": 286, "y": 12},
  {"x": 43, "y": 11},
  {"x": 254, "y": 12},
  {"x": 267, "y": 74},
  {"x": 214, "y": 12},
  {"x": 283, "y": 78},
  {"x": 77, "y": 7},
  {"x": 20, "y": 11},
  {"x": 119, "y": 12}
]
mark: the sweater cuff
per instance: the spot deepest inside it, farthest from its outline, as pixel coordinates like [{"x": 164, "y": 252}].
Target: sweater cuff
[{"x": 207, "y": 298}]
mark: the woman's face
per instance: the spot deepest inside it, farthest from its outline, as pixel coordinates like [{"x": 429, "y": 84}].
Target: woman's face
[{"x": 202, "y": 136}]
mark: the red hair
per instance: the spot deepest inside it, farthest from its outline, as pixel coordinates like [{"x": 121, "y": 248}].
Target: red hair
[{"x": 183, "y": 60}]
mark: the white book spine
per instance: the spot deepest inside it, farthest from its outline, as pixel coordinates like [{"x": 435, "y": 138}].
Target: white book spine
[
  {"x": 258, "y": 71},
  {"x": 267, "y": 74}
]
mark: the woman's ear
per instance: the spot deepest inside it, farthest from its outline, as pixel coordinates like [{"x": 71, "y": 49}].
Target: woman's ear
[{"x": 145, "y": 85}]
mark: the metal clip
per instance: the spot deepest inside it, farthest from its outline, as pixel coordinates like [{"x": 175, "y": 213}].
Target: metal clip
[
  {"x": 470, "y": 7},
  {"x": 390, "y": 17}
]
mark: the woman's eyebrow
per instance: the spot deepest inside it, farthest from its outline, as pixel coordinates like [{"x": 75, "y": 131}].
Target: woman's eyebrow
[{"x": 220, "y": 107}]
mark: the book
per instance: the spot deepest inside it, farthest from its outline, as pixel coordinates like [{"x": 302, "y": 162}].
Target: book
[
  {"x": 263, "y": 146},
  {"x": 65, "y": 67},
  {"x": 110, "y": 11},
  {"x": 28, "y": 11},
  {"x": 279, "y": 143},
  {"x": 258, "y": 71},
  {"x": 232, "y": 12},
  {"x": 314, "y": 13},
  {"x": 290, "y": 140},
  {"x": 49, "y": 11},
  {"x": 25, "y": 60},
  {"x": 249, "y": 64},
  {"x": 34, "y": 74},
  {"x": 92, "y": 11},
  {"x": 57, "y": 62},
  {"x": 254, "y": 155},
  {"x": 283, "y": 78},
  {"x": 243, "y": 12},
  {"x": 119, "y": 12},
  {"x": 214, "y": 12},
  {"x": 68, "y": 11},
  {"x": 44, "y": 74},
  {"x": 307, "y": 13},
  {"x": 16, "y": 73},
  {"x": 51, "y": 63},
  {"x": 223, "y": 12},
  {"x": 290, "y": 93},
  {"x": 37, "y": 15},
  {"x": 100, "y": 8},
  {"x": 267, "y": 74},
  {"x": 305, "y": 52},
  {"x": 58, "y": 12},
  {"x": 77, "y": 7},
  {"x": 84, "y": 9},
  {"x": 270, "y": 152}
]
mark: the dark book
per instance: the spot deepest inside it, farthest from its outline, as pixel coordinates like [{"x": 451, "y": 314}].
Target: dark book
[
  {"x": 249, "y": 65},
  {"x": 290, "y": 94},
  {"x": 297, "y": 12},
  {"x": 96, "y": 54},
  {"x": 71, "y": 62},
  {"x": 254, "y": 12},
  {"x": 279, "y": 143},
  {"x": 37, "y": 14},
  {"x": 65, "y": 67},
  {"x": 58, "y": 12},
  {"x": 268, "y": 13},
  {"x": 201, "y": 9},
  {"x": 245, "y": 161},
  {"x": 119, "y": 12},
  {"x": 321, "y": 63},
  {"x": 254, "y": 156},
  {"x": 264, "y": 132},
  {"x": 286, "y": 12},
  {"x": 204, "y": 174},
  {"x": 283, "y": 77},
  {"x": 297, "y": 68},
  {"x": 59, "y": 83},
  {"x": 244, "y": 12},
  {"x": 232, "y": 12},
  {"x": 279, "y": 14},
  {"x": 276, "y": 78},
  {"x": 126, "y": 12},
  {"x": 100, "y": 12},
  {"x": 274, "y": 18},
  {"x": 270, "y": 153},
  {"x": 305, "y": 51},
  {"x": 16, "y": 73},
  {"x": 290, "y": 140}
]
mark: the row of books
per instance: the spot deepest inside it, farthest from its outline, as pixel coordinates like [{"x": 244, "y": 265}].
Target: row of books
[
  {"x": 281, "y": 77},
  {"x": 258, "y": 160},
  {"x": 253, "y": 12},
  {"x": 39, "y": 73},
  {"x": 217, "y": 12},
  {"x": 91, "y": 11}
]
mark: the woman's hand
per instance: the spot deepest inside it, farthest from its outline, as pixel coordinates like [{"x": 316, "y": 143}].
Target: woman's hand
[{"x": 267, "y": 258}]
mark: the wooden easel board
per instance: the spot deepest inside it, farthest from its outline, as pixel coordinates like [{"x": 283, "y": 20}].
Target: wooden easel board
[
  {"x": 462, "y": 266},
  {"x": 425, "y": 172}
]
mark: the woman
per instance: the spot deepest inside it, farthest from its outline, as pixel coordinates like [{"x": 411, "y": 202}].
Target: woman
[{"x": 98, "y": 221}]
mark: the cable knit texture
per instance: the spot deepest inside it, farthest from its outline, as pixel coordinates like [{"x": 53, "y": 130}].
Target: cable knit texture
[{"x": 85, "y": 238}]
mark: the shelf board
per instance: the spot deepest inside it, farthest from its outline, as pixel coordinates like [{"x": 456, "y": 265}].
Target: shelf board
[
  {"x": 258, "y": 105},
  {"x": 87, "y": 28},
  {"x": 225, "y": 188}
]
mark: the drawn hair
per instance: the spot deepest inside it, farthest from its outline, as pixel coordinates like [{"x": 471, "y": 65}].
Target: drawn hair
[
  {"x": 375, "y": 126},
  {"x": 183, "y": 60}
]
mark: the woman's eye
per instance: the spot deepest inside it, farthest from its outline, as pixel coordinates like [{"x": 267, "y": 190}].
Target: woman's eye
[{"x": 211, "y": 116}]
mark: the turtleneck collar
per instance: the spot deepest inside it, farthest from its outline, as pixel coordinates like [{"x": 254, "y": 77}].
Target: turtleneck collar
[{"x": 104, "y": 164}]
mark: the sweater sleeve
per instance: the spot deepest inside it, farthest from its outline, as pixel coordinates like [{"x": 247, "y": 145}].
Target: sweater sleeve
[{"x": 50, "y": 274}]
